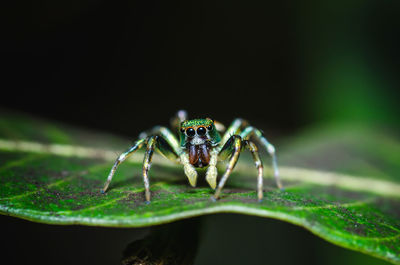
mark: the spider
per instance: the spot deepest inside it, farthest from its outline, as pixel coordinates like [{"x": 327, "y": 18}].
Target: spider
[{"x": 201, "y": 145}]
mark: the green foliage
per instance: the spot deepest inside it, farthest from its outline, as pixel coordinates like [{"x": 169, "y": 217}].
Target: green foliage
[{"x": 53, "y": 174}]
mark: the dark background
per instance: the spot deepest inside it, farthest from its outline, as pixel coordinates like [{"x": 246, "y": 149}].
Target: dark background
[
  {"x": 224, "y": 239},
  {"x": 122, "y": 67},
  {"x": 125, "y": 66}
]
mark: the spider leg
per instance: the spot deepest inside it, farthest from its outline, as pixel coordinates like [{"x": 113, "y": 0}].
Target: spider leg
[
  {"x": 179, "y": 117},
  {"x": 233, "y": 129},
  {"x": 151, "y": 143},
  {"x": 219, "y": 126},
  {"x": 155, "y": 142},
  {"x": 166, "y": 134},
  {"x": 163, "y": 146},
  {"x": 136, "y": 146},
  {"x": 258, "y": 163},
  {"x": 246, "y": 133},
  {"x": 232, "y": 146}
]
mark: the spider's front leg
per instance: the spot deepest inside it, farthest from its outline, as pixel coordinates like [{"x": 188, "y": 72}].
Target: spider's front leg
[
  {"x": 121, "y": 158},
  {"x": 241, "y": 127},
  {"x": 258, "y": 163},
  {"x": 162, "y": 145},
  {"x": 152, "y": 143},
  {"x": 250, "y": 130},
  {"x": 232, "y": 146},
  {"x": 179, "y": 117}
]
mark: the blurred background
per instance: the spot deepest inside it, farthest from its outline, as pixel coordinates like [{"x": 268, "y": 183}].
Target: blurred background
[{"x": 124, "y": 66}]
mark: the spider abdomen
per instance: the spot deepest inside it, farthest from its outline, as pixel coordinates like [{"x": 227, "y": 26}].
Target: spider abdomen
[{"x": 199, "y": 155}]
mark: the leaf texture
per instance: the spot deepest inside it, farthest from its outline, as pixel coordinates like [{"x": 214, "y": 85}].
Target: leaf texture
[{"x": 341, "y": 184}]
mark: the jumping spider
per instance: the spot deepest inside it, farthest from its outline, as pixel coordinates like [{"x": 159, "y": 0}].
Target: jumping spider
[{"x": 201, "y": 145}]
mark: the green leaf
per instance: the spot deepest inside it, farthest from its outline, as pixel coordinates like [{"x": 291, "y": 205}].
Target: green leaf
[{"x": 341, "y": 184}]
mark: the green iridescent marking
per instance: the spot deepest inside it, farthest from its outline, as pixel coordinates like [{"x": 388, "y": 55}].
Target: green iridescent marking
[{"x": 196, "y": 122}]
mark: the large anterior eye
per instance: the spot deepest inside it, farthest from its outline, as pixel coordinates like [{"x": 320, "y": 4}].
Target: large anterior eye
[
  {"x": 201, "y": 131},
  {"x": 190, "y": 132}
]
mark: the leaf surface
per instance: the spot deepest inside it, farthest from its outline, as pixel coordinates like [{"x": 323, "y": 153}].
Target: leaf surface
[{"x": 341, "y": 184}]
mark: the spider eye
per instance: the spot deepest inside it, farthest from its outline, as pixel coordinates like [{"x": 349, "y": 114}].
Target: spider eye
[
  {"x": 209, "y": 127},
  {"x": 201, "y": 131},
  {"x": 182, "y": 130},
  {"x": 190, "y": 132}
]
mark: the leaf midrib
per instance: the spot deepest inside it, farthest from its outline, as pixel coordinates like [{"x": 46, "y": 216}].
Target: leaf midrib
[{"x": 324, "y": 178}]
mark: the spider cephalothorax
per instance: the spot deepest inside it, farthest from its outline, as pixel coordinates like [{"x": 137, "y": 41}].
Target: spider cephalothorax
[{"x": 201, "y": 145}]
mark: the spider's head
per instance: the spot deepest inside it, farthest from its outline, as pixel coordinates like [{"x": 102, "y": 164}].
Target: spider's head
[{"x": 199, "y": 131}]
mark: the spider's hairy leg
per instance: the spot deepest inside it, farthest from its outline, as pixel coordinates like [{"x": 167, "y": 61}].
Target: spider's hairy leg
[
  {"x": 219, "y": 126},
  {"x": 233, "y": 129},
  {"x": 189, "y": 169},
  {"x": 179, "y": 117},
  {"x": 168, "y": 151},
  {"x": 155, "y": 143},
  {"x": 258, "y": 163},
  {"x": 136, "y": 146},
  {"x": 233, "y": 146},
  {"x": 166, "y": 134},
  {"x": 246, "y": 133},
  {"x": 212, "y": 172},
  {"x": 151, "y": 143},
  {"x": 160, "y": 144}
]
